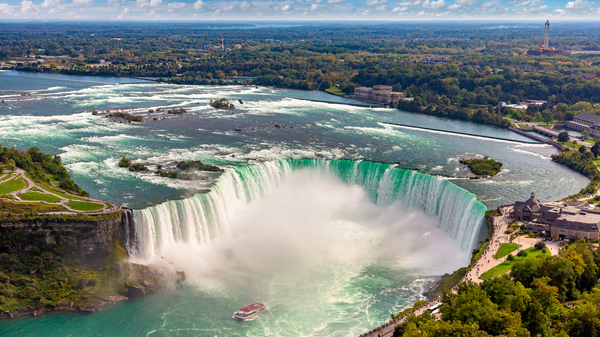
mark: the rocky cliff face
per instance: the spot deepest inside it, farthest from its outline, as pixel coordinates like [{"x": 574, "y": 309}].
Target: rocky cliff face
[{"x": 90, "y": 242}]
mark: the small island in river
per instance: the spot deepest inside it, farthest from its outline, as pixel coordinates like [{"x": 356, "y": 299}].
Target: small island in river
[{"x": 482, "y": 167}]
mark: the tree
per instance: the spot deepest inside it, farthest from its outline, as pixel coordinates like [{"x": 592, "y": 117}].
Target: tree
[
  {"x": 582, "y": 149},
  {"x": 585, "y": 134},
  {"x": 522, "y": 253},
  {"x": 595, "y": 150},
  {"x": 124, "y": 162},
  {"x": 547, "y": 116},
  {"x": 563, "y": 137}
]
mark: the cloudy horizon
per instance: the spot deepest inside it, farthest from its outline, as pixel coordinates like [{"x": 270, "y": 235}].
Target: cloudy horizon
[{"x": 298, "y": 10}]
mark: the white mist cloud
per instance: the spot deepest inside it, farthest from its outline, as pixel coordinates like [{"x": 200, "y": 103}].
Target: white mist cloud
[
  {"x": 335, "y": 1},
  {"x": 27, "y": 7},
  {"x": 82, "y": 2},
  {"x": 400, "y": 9},
  {"x": 285, "y": 8},
  {"x": 311, "y": 225},
  {"x": 198, "y": 4}
]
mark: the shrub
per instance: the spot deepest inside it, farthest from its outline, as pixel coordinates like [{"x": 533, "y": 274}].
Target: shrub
[
  {"x": 522, "y": 253},
  {"x": 510, "y": 257},
  {"x": 540, "y": 245}
]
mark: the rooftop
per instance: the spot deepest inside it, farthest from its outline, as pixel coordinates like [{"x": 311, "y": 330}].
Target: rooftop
[{"x": 588, "y": 117}]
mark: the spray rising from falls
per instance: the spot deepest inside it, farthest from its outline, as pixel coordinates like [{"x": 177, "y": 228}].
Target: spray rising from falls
[{"x": 203, "y": 217}]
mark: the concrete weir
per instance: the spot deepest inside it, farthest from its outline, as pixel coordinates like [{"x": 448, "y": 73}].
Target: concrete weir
[{"x": 464, "y": 133}]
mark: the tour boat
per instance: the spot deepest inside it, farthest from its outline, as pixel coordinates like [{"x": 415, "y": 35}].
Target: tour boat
[{"x": 250, "y": 312}]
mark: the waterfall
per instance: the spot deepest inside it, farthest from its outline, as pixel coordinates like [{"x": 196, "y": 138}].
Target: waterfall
[{"x": 205, "y": 216}]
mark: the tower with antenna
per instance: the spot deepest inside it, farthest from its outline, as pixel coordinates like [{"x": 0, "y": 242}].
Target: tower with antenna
[
  {"x": 546, "y": 41},
  {"x": 222, "y": 44}
]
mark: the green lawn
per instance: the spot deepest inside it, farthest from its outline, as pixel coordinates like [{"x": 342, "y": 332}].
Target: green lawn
[
  {"x": 505, "y": 249},
  {"x": 336, "y": 91},
  {"x": 8, "y": 176},
  {"x": 590, "y": 141},
  {"x": 84, "y": 205},
  {"x": 57, "y": 191},
  {"x": 507, "y": 265},
  {"x": 572, "y": 145},
  {"x": 12, "y": 185},
  {"x": 524, "y": 127},
  {"x": 39, "y": 196}
]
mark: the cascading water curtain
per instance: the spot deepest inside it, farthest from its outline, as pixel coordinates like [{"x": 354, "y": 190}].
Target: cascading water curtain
[{"x": 203, "y": 217}]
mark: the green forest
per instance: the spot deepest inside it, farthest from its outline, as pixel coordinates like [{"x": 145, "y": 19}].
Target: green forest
[{"x": 542, "y": 296}]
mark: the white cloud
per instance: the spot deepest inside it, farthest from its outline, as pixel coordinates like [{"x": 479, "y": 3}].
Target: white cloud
[
  {"x": 285, "y": 8},
  {"x": 521, "y": 3},
  {"x": 217, "y": 12},
  {"x": 123, "y": 14},
  {"x": 6, "y": 9},
  {"x": 82, "y": 2},
  {"x": 440, "y": 4},
  {"x": 146, "y": 3},
  {"x": 381, "y": 8},
  {"x": 465, "y": 2},
  {"x": 335, "y": 1},
  {"x": 491, "y": 3},
  {"x": 579, "y": 4},
  {"x": 408, "y": 3},
  {"x": 400, "y": 9},
  {"x": 27, "y": 7},
  {"x": 227, "y": 8},
  {"x": 50, "y": 3},
  {"x": 245, "y": 5},
  {"x": 455, "y": 6},
  {"x": 366, "y": 12},
  {"x": 376, "y": 2},
  {"x": 198, "y": 4},
  {"x": 176, "y": 5},
  {"x": 313, "y": 7}
]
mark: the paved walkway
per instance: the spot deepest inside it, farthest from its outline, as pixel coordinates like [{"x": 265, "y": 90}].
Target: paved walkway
[{"x": 20, "y": 173}]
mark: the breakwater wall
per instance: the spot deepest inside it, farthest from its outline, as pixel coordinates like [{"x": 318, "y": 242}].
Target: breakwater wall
[
  {"x": 540, "y": 139},
  {"x": 362, "y": 105},
  {"x": 464, "y": 133}
]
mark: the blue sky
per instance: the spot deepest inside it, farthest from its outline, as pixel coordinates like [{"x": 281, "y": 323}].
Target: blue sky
[{"x": 299, "y": 10}]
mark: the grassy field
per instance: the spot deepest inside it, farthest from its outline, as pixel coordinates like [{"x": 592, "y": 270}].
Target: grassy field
[
  {"x": 22, "y": 207},
  {"x": 39, "y": 196},
  {"x": 505, "y": 249},
  {"x": 84, "y": 206},
  {"x": 54, "y": 190},
  {"x": 335, "y": 91},
  {"x": 572, "y": 145},
  {"x": 12, "y": 185},
  {"x": 507, "y": 265}
]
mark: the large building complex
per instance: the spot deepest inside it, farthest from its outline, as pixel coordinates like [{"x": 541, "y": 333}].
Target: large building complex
[
  {"x": 382, "y": 94},
  {"x": 585, "y": 121},
  {"x": 561, "y": 219}
]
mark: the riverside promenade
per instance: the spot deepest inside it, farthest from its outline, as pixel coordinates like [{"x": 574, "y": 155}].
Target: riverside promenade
[{"x": 484, "y": 262}]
